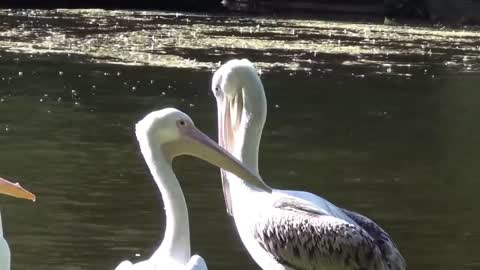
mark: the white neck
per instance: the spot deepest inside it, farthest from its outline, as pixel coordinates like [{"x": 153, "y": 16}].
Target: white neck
[
  {"x": 176, "y": 241},
  {"x": 246, "y": 145},
  {"x": 1, "y": 226},
  {"x": 247, "y": 137}
]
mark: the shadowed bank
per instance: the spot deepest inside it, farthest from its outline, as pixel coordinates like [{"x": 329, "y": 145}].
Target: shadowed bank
[
  {"x": 187, "y": 5},
  {"x": 457, "y": 12}
]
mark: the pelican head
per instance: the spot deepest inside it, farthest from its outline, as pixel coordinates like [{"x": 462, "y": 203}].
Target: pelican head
[
  {"x": 241, "y": 106},
  {"x": 15, "y": 190},
  {"x": 173, "y": 133}
]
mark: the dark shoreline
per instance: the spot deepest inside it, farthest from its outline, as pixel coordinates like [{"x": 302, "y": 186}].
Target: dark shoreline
[
  {"x": 180, "y": 5},
  {"x": 343, "y": 9}
]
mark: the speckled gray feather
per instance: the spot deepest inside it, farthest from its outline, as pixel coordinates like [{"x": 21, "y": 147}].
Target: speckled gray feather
[
  {"x": 302, "y": 238},
  {"x": 390, "y": 254}
]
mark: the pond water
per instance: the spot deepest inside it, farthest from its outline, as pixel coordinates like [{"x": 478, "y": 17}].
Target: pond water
[{"x": 378, "y": 119}]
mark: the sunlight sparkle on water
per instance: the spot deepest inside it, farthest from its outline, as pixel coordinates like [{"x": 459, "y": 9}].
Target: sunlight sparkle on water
[{"x": 163, "y": 39}]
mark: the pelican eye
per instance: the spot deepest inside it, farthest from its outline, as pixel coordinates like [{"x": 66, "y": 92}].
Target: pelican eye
[{"x": 181, "y": 122}]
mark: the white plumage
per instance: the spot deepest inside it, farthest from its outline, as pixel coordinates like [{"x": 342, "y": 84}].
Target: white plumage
[
  {"x": 4, "y": 250},
  {"x": 162, "y": 136}
]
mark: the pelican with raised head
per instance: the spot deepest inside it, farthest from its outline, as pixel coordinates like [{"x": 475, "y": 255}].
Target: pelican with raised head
[
  {"x": 164, "y": 135},
  {"x": 14, "y": 190},
  {"x": 286, "y": 229}
]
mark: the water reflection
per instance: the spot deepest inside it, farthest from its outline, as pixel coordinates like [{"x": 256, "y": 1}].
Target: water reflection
[{"x": 386, "y": 128}]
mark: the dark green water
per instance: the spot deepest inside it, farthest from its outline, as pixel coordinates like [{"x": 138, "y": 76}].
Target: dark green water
[{"x": 388, "y": 128}]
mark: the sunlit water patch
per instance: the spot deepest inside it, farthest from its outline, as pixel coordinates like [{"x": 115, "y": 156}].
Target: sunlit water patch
[{"x": 195, "y": 41}]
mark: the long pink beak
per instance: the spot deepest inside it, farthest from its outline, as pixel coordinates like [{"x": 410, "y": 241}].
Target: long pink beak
[{"x": 15, "y": 190}]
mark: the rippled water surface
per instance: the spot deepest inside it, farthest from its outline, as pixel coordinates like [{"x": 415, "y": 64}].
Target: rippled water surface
[{"x": 379, "y": 119}]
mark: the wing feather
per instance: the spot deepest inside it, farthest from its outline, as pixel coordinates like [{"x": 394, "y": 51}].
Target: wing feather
[
  {"x": 390, "y": 253},
  {"x": 300, "y": 237}
]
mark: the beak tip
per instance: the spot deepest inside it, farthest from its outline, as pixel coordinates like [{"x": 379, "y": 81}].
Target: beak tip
[{"x": 15, "y": 190}]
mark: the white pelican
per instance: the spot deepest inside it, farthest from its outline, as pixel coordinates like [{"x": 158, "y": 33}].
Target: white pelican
[
  {"x": 162, "y": 136},
  {"x": 286, "y": 229},
  {"x": 14, "y": 190}
]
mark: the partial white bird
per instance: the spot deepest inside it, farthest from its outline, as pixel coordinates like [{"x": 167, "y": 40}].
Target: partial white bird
[
  {"x": 14, "y": 190},
  {"x": 286, "y": 229},
  {"x": 162, "y": 136}
]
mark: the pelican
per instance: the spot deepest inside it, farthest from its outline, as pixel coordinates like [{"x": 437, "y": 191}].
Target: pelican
[
  {"x": 14, "y": 190},
  {"x": 164, "y": 135},
  {"x": 286, "y": 229}
]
